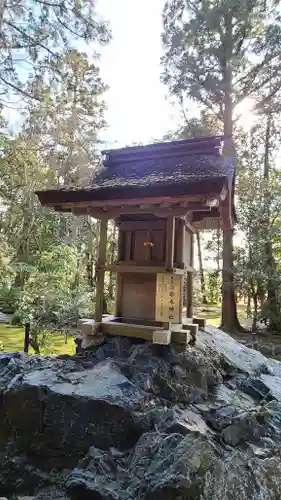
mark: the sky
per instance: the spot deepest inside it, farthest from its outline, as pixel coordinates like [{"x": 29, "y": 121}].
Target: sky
[{"x": 137, "y": 109}]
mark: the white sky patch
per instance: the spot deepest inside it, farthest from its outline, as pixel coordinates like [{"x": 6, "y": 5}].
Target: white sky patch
[{"x": 137, "y": 109}]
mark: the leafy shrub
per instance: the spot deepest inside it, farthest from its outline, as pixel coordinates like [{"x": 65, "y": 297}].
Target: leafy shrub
[
  {"x": 8, "y": 299},
  {"x": 51, "y": 296}
]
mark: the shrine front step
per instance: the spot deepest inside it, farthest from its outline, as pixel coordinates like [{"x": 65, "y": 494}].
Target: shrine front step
[{"x": 183, "y": 334}]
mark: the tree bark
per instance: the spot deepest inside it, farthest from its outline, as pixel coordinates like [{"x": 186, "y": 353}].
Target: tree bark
[
  {"x": 218, "y": 249},
  {"x": 272, "y": 305},
  {"x": 229, "y": 319},
  {"x": 249, "y": 299},
  {"x": 201, "y": 269},
  {"x": 112, "y": 254},
  {"x": 255, "y": 315}
]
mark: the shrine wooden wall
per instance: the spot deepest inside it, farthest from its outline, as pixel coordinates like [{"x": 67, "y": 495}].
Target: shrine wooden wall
[
  {"x": 136, "y": 295},
  {"x": 144, "y": 243}
]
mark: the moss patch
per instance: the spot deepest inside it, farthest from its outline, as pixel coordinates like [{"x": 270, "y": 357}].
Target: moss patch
[{"x": 12, "y": 340}]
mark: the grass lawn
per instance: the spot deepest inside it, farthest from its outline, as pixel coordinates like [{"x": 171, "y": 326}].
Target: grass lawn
[
  {"x": 212, "y": 313},
  {"x": 12, "y": 339}
]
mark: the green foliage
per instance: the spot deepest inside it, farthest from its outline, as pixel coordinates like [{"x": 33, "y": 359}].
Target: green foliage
[
  {"x": 47, "y": 259},
  {"x": 49, "y": 296},
  {"x": 213, "y": 287},
  {"x": 38, "y": 32},
  {"x": 258, "y": 214},
  {"x": 217, "y": 53},
  {"x": 8, "y": 299},
  {"x": 200, "y": 40}
]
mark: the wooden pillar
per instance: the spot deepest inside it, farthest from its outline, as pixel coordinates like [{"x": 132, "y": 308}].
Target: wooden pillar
[
  {"x": 170, "y": 241},
  {"x": 26, "y": 337},
  {"x": 100, "y": 270},
  {"x": 189, "y": 305},
  {"x": 180, "y": 245}
]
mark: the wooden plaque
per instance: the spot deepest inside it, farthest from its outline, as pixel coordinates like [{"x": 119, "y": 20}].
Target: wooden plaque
[{"x": 168, "y": 298}]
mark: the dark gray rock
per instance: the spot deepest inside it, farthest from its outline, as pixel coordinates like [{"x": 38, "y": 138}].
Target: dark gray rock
[
  {"x": 140, "y": 422},
  {"x": 160, "y": 466},
  {"x": 236, "y": 357},
  {"x": 177, "y": 421},
  {"x": 62, "y": 414}
]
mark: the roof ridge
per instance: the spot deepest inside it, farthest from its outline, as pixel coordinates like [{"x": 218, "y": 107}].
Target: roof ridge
[{"x": 159, "y": 146}]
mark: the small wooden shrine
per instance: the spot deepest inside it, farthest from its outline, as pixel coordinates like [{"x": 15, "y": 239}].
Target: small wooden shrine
[{"x": 158, "y": 195}]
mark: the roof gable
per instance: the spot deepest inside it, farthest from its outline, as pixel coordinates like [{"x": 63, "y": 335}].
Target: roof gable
[
  {"x": 165, "y": 164},
  {"x": 194, "y": 167}
]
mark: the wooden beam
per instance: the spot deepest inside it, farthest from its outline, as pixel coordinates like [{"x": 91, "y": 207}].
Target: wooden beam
[
  {"x": 189, "y": 226},
  {"x": 145, "y": 332},
  {"x": 192, "y": 328},
  {"x": 142, "y": 225},
  {"x": 224, "y": 192},
  {"x": 189, "y": 308},
  {"x": 135, "y": 201},
  {"x": 118, "y": 294},
  {"x": 180, "y": 230},
  {"x": 88, "y": 326},
  {"x": 226, "y": 213},
  {"x": 26, "y": 337},
  {"x": 159, "y": 211},
  {"x": 127, "y": 330},
  {"x": 170, "y": 242},
  {"x": 131, "y": 268},
  {"x": 201, "y": 322},
  {"x": 181, "y": 336},
  {"x": 101, "y": 270},
  {"x": 162, "y": 337},
  {"x": 214, "y": 202},
  {"x": 153, "y": 200}
]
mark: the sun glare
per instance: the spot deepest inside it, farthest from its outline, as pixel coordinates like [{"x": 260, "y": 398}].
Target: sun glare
[{"x": 244, "y": 113}]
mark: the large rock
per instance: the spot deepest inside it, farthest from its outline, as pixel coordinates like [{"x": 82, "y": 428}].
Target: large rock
[
  {"x": 62, "y": 413},
  {"x": 141, "y": 421}
]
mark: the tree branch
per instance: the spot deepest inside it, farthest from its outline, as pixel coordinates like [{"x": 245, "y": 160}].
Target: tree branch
[
  {"x": 18, "y": 89},
  {"x": 34, "y": 42}
]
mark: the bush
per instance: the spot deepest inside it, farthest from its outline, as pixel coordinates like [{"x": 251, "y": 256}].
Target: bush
[
  {"x": 51, "y": 298},
  {"x": 8, "y": 299}
]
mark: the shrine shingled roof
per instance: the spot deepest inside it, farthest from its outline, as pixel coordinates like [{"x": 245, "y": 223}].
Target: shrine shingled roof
[{"x": 177, "y": 167}]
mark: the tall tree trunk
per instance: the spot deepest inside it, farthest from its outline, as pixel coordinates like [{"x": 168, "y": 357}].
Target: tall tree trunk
[
  {"x": 229, "y": 319},
  {"x": 218, "y": 249},
  {"x": 255, "y": 315},
  {"x": 201, "y": 270},
  {"x": 113, "y": 245},
  {"x": 249, "y": 299},
  {"x": 90, "y": 257},
  {"x": 272, "y": 305}
]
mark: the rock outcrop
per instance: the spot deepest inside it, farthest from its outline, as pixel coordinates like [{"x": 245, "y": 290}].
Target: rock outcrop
[{"x": 136, "y": 421}]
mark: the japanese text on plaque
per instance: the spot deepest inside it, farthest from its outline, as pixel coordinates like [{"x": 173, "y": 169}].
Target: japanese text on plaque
[{"x": 168, "y": 298}]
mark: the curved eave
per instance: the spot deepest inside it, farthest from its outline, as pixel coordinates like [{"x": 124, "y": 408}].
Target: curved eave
[{"x": 102, "y": 194}]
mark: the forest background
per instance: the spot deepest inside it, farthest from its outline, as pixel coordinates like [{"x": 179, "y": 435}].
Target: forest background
[{"x": 220, "y": 69}]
